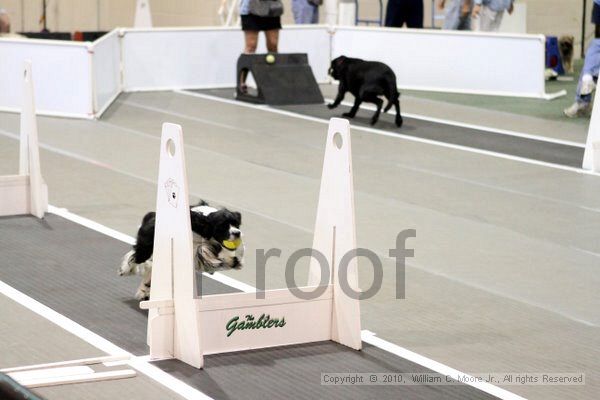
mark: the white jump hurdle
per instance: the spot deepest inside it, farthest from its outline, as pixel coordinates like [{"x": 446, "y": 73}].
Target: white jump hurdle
[
  {"x": 25, "y": 193},
  {"x": 591, "y": 156},
  {"x": 184, "y": 326}
]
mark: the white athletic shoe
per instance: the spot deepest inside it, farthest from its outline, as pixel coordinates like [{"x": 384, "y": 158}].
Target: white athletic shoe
[
  {"x": 587, "y": 85},
  {"x": 578, "y": 109}
]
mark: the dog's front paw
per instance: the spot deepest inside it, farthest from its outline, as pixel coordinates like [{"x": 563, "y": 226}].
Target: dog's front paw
[
  {"x": 348, "y": 115},
  {"x": 237, "y": 264},
  {"x": 331, "y": 106}
]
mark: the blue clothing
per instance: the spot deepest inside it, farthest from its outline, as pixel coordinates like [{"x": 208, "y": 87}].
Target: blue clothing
[
  {"x": 453, "y": 20},
  {"x": 305, "y": 12},
  {"x": 591, "y": 66},
  {"x": 245, "y": 7},
  {"x": 495, "y": 5}
]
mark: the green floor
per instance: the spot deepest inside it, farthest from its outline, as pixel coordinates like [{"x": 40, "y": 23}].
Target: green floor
[{"x": 546, "y": 109}]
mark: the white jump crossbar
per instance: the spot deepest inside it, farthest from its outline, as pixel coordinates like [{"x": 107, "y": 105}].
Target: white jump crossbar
[
  {"x": 25, "y": 193},
  {"x": 184, "y": 326}
]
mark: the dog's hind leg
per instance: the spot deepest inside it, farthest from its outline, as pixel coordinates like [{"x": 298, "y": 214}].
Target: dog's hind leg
[
  {"x": 372, "y": 98},
  {"x": 399, "y": 119},
  {"x": 143, "y": 291},
  {"x": 354, "y": 109}
]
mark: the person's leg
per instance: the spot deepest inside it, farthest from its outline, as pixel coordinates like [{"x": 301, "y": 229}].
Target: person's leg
[
  {"x": 296, "y": 11},
  {"x": 315, "y": 15},
  {"x": 272, "y": 40},
  {"x": 497, "y": 21},
  {"x": 250, "y": 43},
  {"x": 596, "y": 19},
  {"x": 414, "y": 14},
  {"x": 452, "y": 15},
  {"x": 394, "y": 14},
  {"x": 486, "y": 19},
  {"x": 590, "y": 71},
  {"x": 303, "y": 11},
  {"x": 465, "y": 15}
]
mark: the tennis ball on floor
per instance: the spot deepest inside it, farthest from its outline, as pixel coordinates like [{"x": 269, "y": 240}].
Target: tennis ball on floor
[
  {"x": 232, "y": 244},
  {"x": 270, "y": 58}
]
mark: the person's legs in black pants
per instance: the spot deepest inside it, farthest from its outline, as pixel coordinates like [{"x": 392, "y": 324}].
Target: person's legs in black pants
[
  {"x": 414, "y": 16},
  {"x": 395, "y": 13}
]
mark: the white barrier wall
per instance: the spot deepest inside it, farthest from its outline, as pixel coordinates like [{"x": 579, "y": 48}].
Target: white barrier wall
[
  {"x": 82, "y": 79},
  {"x": 62, "y": 70},
  {"x": 461, "y": 62},
  {"x": 155, "y": 59},
  {"x": 106, "y": 59}
]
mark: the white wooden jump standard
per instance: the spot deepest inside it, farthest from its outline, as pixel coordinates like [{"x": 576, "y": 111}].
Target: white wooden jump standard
[
  {"x": 26, "y": 193},
  {"x": 184, "y": 326},
  {"x": 591, "y": 156}
]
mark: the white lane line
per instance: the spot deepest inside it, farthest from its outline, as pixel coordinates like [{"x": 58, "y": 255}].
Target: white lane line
[
  {"x": 475, "y": 126},
  {"x": 183, "y": 116},
  {"x": 102, "y": 344},
  {"x": 367, "y": 336},
  {"x": 403, "y": 166},
  {"x": 208, "y": 151},
  {"x": 370, "y": 338},
  {"x": 390, "y": 134},
  {"x": 494, "y": 187}
]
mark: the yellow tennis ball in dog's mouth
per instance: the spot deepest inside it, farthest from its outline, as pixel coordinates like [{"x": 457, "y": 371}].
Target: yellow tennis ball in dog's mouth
[
  {"x": 270, "y": 58},
  {"x": 232, "y": 244}
]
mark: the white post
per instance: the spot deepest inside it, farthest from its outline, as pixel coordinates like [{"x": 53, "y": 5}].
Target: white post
[
  {"x": 591, "y": 157},
  {"x": 335, "y": 232},
  {"x": 143, "y": 16},
  {"x": 29, "y": 158},
  {"x": 174, "y": 332}
]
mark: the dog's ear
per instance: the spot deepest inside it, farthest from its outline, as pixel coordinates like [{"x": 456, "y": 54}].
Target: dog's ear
[
  {"x": 200, "y": 225},
  {"x": 340, "y": 61},
  {"x": 238, "y": 217}
]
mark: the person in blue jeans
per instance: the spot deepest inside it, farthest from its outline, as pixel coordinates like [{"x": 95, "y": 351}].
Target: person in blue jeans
[
  {"x": 400, "y": 12},
  {"x": 458, "y": 14},
  {"x": 589, "y": 73},
  {"x": 306, "y": 11}
]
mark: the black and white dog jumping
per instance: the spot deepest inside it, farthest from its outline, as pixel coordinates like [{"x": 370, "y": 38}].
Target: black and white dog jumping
[
  {"x": 217, "y": 244},
  {"x": 366, "y": 80}
]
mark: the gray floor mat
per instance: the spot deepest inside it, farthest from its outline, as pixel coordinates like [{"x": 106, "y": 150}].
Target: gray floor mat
[
  {"x": 72, "y": 270},
  {"x": 295, "y": 372},
  {"x": 511, "y": 145}
]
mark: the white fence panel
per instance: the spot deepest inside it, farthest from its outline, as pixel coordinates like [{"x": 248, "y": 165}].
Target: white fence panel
[
  {"x": 461, "y": 62},
  {"x": 62, "y": 70},
  {"x": 106, "y": 60},
  {"x": 174, "y": 58}
]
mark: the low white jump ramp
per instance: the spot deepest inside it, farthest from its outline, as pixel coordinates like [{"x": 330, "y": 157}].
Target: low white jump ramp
[
  {"x": 184, "y": 326},
  {"x": 26, "y": 193}
]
